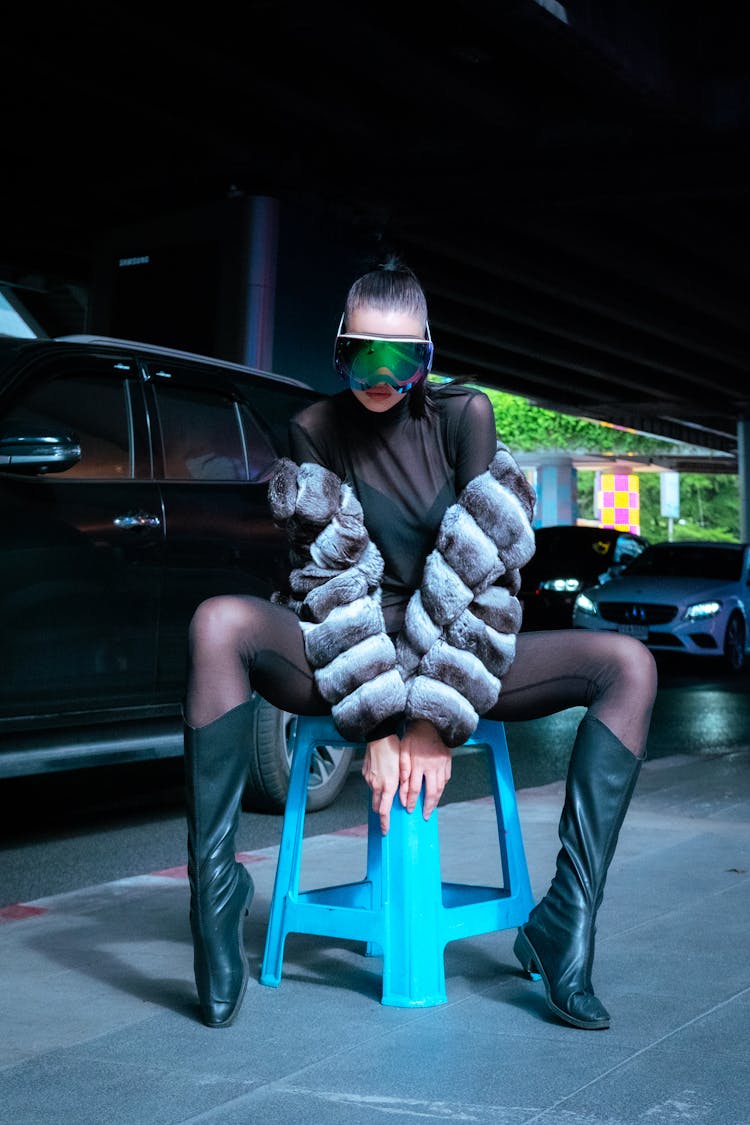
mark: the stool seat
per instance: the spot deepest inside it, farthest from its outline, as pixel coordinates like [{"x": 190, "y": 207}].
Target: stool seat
[{"x": 402, "y": 909}]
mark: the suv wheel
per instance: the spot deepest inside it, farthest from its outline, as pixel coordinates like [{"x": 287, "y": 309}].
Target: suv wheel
[{"x": 269, "y": 764}]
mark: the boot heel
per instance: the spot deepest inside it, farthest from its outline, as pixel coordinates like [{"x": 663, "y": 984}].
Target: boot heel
[{"x": 526, "y": 956}]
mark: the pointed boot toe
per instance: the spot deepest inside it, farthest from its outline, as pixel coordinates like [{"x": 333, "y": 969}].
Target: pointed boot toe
[
  {"x": 584, "y": 1010},
  {"x": 580, "y": 1008}
]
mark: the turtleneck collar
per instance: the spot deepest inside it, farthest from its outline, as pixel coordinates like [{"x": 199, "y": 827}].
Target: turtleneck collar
[{"x": 374, "y": 419}]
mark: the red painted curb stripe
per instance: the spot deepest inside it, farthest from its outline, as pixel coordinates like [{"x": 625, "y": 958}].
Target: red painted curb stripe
[
  {"x": 18, "y": 911},
  {"x": 251, "y": 857},
  {"x": 181, "y": 872}
]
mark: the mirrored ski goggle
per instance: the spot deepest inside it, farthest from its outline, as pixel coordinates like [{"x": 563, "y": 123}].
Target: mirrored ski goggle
[{"x": 365, "y": 361}]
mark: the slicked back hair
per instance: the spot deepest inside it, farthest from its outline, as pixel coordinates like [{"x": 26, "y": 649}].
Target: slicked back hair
[{"x": 389, "y": 287}]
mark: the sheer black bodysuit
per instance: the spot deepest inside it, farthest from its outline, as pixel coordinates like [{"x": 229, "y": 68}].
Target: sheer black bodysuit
[{"x": 405, "y": 472}]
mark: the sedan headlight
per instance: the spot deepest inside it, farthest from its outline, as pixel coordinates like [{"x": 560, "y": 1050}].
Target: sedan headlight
[
  {"x": 584, "y": 604},
  {"x": 701, "y": 610},
  {"x": 561, "y": 585}
]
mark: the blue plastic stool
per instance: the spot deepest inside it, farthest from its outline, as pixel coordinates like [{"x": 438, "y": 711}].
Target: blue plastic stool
[{"x": 402, "y": 909}]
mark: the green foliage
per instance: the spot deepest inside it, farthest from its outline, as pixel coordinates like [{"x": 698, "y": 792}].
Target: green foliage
[
  {"x": 709, "y": 503},
  {"x": 524, "y": 427}
]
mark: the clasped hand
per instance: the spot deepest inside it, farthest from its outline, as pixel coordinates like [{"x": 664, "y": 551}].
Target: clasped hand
[{"x": 404, "y": 765}]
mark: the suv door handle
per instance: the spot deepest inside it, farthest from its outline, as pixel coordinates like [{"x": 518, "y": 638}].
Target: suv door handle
[{"x": 136, "y": 519}]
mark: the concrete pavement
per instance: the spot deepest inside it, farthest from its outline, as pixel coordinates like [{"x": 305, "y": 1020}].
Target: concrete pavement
[{"x": 99, "y": 1021}]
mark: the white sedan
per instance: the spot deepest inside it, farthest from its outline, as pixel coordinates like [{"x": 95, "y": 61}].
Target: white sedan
[{"x": 690, "y": 597}]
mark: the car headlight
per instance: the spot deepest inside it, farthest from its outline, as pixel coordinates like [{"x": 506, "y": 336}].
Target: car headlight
[
  {"x": 561, "y": 585},
  {"x": 702, "y": 610},
  {"x": 584, "y": 604}
]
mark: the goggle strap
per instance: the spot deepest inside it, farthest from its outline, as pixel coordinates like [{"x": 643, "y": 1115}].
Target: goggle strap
[{"x": 428, "y": 335}]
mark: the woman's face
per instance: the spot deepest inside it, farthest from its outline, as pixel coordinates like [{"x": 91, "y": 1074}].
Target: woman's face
[{"x": 368, "y": 321}]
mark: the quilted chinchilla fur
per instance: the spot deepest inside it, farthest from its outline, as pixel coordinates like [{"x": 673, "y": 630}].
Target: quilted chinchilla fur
[
  {"x": 459, "y": 633},
  {"x": 335, "y": 591}
]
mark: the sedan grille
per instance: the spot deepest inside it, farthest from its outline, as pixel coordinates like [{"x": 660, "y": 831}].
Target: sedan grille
[{"x": 640, "y": 613}]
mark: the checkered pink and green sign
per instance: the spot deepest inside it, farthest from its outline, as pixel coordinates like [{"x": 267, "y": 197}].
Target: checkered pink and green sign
[{"x": 618, "y": 501}]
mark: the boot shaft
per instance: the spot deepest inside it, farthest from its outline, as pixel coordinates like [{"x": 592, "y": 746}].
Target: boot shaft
[
  {"x": 601, "y": 779},
  {"x": 216, "y": 764}
]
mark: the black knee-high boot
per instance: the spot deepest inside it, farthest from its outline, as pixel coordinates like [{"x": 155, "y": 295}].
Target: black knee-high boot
[
  {"x": 220, "y": 888},
  {"x": 558, "y": 940}
]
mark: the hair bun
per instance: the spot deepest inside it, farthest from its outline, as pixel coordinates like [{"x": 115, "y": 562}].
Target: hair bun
[{"x": 393, "y": 263}]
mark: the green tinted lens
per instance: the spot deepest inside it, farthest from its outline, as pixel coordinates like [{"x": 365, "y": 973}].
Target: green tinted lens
[{"x": 365, "y": 362}]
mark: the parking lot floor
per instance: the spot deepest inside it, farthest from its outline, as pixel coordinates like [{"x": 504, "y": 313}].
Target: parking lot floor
[{"x": 99, "y": 1019}]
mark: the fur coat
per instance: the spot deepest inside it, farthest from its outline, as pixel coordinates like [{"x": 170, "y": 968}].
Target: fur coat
[{"x": 459, "y": 634}]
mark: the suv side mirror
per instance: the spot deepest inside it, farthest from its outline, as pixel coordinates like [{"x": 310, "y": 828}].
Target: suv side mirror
[{"x": 29, "y": 451}]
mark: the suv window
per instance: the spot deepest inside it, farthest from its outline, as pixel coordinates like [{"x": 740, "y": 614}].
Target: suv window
[
  {"x": 96, "y": 410},
  {"x": 202, "y": 435},
  {"x": 275, "y": 410},
  {"x": 260, "y": 451},
  {"x": 627, "y": 549}
]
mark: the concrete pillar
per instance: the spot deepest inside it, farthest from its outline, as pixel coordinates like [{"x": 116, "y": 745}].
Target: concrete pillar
[
  {"x": 556, "y": 488},
  {"x": 261, "y": 245},
  {"x": 743, "y": 475}
]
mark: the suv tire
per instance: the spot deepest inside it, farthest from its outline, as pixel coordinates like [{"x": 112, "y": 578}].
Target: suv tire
[{"x": 269, "y": 764}]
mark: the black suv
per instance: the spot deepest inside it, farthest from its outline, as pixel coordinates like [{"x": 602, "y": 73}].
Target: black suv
[
  {"x": 567, "y": 558},
  {"x": 133, "y": 484}
]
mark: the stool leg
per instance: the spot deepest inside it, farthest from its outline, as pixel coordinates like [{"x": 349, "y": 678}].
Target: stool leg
[
  {"x": 374, "y": 874},
  {"x": 413, "y": 953},
  {"x": 288, "y": 865},
  {"x": 515, "y": 870}
]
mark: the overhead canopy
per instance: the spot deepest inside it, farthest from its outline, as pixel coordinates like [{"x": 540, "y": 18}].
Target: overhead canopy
[{"x": 567, "y": 179}]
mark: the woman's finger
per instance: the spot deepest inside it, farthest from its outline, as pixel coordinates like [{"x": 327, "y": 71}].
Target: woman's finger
[
  {"x": 384, "y": 809},
  {"x": 414, "y": 788},
  {"x": 433, "y": 791}
]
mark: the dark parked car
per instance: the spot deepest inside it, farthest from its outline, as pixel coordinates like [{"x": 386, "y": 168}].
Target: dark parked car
[
  {"x": 567, "y": 558},
  {"x": 133, "y": 484}
]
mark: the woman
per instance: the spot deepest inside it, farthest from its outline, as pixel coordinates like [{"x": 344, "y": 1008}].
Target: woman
[{"x": 408, "y": 523}]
